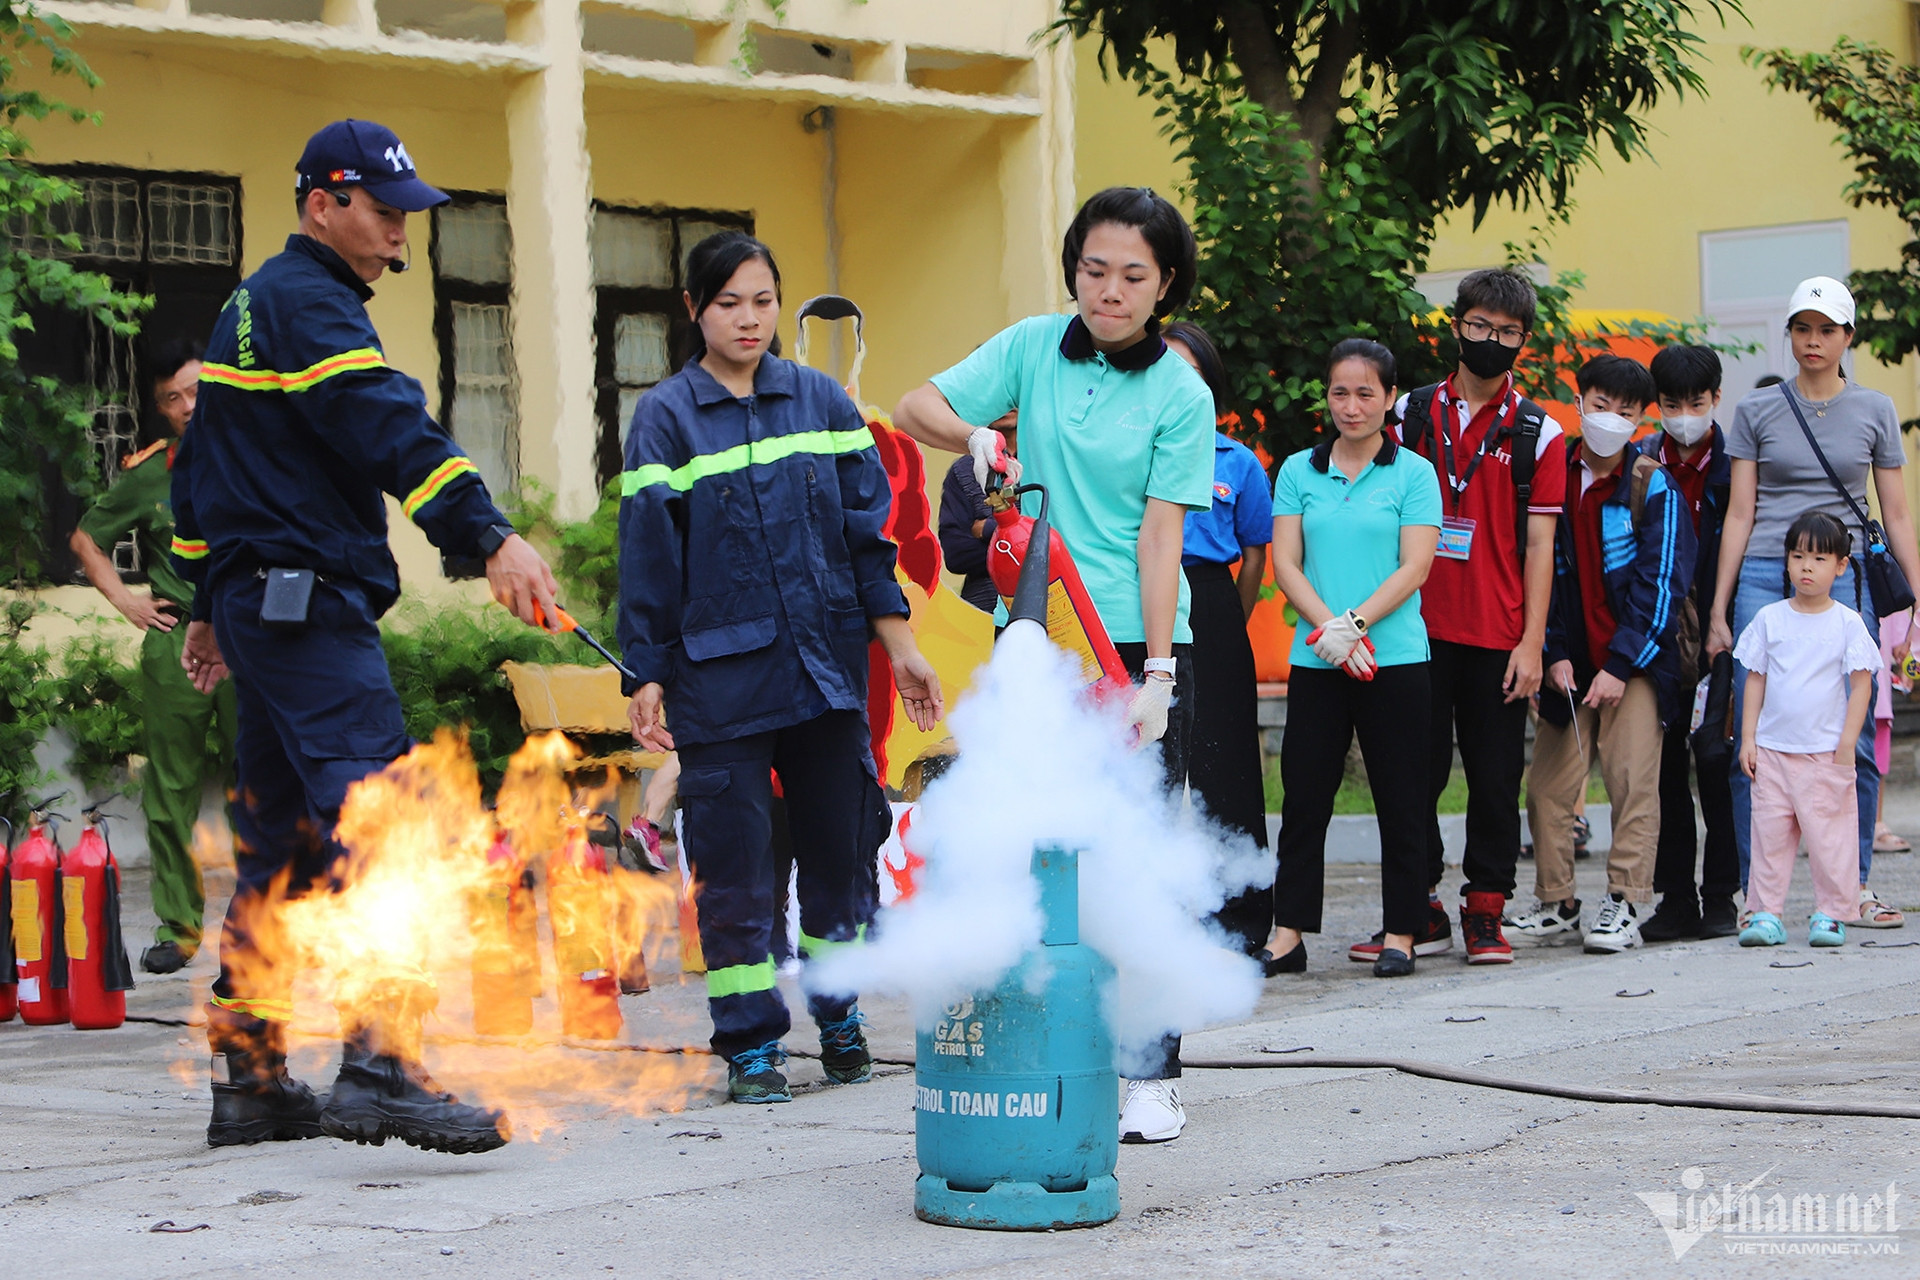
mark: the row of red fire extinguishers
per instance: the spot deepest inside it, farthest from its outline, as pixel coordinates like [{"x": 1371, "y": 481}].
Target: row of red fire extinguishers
[{"x": 60, "y": 945}]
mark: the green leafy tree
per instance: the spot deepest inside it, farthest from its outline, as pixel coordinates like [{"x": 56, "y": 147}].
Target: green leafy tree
[
  {"x": 1873, "y": 97},
  {"x": 45, "y": 422},
  {"x": 24, "y": 712},
  {"x": 1326, "y": 139}
]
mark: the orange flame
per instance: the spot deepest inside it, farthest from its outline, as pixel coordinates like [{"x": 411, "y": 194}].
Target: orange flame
[{"x": 433, "y": 916}]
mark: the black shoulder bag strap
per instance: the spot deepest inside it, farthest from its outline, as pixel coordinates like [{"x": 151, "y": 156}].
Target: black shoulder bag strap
[
  {"x": 1886, "y": 581},
  {"x": 1420, "y": 403},
  {"x": 1524, "y": 447}
]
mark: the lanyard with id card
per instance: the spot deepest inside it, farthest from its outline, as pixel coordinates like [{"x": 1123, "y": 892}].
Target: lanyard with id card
[
  {"x": 1456, "y": 537},
  {"x": 1456, "y": 531}
]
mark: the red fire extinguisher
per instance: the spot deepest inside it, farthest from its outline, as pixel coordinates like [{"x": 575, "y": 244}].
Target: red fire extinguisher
[
  {"x": 506, "y": 959},
  {"x": 579, "y": 908},
  {"x": 1072, "y": 621},
  {"x": 39, "y": 944},
  {"x": 9, "y": 976},
  {"x": 98, "y": 975}
]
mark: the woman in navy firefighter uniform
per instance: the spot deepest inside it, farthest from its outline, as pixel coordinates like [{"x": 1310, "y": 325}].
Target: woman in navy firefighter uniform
[{"x": 752, "y": 571}]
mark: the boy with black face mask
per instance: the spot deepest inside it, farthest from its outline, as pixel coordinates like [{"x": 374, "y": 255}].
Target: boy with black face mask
[
  {"x": 1694, "y": 450},
  {"x": 1502, "y": 465}
]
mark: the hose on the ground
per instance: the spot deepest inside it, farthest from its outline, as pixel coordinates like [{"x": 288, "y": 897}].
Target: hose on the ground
[{"x": 1406, "y": 1066}]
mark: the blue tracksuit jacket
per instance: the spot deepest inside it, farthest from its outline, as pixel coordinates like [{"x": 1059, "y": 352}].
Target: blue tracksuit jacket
[{"x": 1649, "y": 569}]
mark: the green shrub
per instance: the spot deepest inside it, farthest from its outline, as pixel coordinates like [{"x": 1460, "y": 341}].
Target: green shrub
[
  {"x": 96, "y": 701},
  {"x": 23, "y": 711}
]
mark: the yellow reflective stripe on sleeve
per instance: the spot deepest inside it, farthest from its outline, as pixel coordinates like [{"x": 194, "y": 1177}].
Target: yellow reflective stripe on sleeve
[
  {"x": 741, "y": 456},
  {"x": 304, "y": 380},
  {"x": 439, "y": 478},
  {"x": 188, "y": 549},
  {"x": 269, "y": 1010},
  {"x": 740, "y": 979}
]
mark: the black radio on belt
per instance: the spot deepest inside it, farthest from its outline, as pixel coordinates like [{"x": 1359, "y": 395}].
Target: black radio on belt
[{"x": 289, "y": 591}]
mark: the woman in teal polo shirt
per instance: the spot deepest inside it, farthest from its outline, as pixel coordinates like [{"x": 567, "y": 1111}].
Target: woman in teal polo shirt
[
  {"x": 1356, "y": 520},
  {"x": 1121, "y": 435}
]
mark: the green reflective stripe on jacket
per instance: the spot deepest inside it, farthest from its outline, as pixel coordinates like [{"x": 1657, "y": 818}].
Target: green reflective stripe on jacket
[
  {"x": 740, "y": 457},
  {"x": 740, "y": 979},
  {"x": 819, "y": 948}
]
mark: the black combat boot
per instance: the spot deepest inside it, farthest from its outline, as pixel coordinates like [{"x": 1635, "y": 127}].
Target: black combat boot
[
  {"x": 258, "y": 1101},
  {"x": 385, "y": 1095}
]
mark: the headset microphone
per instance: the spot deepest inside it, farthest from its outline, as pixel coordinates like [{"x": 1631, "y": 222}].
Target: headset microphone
[{"x": 398, "y": 265}]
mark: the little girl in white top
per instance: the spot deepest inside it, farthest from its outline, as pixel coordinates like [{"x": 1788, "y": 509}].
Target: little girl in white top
[{"x": 1810, "y": 664}]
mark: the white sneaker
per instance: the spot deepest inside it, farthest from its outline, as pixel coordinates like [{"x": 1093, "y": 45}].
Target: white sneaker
[
  {"x": 1615, "y": 928},
  {"x": 1152, "y": 1112},
  {"x": 1547, "y": 925}
]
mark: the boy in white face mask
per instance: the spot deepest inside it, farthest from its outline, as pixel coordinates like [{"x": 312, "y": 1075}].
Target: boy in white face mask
[
  {"x": 1623, "y": 562},
  {"x": 1693, "y": 448}
]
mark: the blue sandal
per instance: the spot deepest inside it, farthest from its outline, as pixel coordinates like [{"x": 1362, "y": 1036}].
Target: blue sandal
[
  {"x": 1763, "y": 930},
  {"x": 1824, "y": 931}
]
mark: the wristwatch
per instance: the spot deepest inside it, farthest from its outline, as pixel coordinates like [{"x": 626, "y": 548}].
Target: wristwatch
[
  {"x": 1359, "y": 623},
  {"x": 493, "y": 538}
]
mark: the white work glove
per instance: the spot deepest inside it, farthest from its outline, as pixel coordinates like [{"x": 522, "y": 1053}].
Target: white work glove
[
  {"x": 1148, "y": 710},
  {"x": 1360, "y": 664},
  {"x": 988, "y": 449},
  {"x": 1336, "y": 638}
]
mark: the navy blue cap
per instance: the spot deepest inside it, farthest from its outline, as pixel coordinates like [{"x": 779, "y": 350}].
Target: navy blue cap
[{"x": 360, "y": 153}]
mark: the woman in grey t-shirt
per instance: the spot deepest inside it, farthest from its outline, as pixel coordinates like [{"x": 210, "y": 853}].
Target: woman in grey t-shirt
[{"x": 1776, "y": 477}]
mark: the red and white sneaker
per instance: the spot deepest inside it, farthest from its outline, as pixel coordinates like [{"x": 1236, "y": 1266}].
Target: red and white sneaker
[
  {"x": 1436, "y": 938},
  {"x": 1480, "y": 926}
]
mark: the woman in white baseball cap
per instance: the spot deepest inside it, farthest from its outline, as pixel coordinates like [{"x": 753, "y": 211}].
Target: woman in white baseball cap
[{"x": 1777, "y": 444}]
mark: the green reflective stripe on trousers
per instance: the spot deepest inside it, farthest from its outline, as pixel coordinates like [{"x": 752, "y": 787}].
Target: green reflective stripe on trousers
[
  {"x": 740, "y": 979},
  {"x": 742, "y": 456},
  {"x": 819, "y": 948}
]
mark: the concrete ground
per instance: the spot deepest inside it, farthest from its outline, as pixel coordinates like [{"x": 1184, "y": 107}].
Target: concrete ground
[{"x": 1280, "y": 1173}]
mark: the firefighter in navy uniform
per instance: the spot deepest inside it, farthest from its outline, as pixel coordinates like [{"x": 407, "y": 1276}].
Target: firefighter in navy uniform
[{"x": 280, "y": 519}]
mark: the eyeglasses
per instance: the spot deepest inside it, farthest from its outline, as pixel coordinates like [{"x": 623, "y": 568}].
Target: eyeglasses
[{"x": 1480, "y": 331}]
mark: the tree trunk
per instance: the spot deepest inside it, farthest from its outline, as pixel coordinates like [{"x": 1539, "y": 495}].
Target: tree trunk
[{"x": 1267, "y": 70}]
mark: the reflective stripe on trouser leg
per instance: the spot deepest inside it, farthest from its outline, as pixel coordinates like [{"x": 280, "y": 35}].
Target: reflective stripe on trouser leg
[
  {"x": 838, "y": 818},
  {"x": 726, "y": 800}
]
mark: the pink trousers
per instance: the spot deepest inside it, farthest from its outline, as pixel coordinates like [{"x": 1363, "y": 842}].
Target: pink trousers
[{"x": 1808, "y": 796}]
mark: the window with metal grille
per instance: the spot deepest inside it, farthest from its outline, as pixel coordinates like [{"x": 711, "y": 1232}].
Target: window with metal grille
[
  {"x": 172, "y": 236},
  {"x": 640, "y": 321},
  {"x": 472, "y": 254}
]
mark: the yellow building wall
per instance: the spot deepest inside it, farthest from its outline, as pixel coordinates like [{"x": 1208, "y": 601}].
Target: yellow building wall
[
  {"x": 1742, "y": 156},
  {"x": 1118, "y": 141}
]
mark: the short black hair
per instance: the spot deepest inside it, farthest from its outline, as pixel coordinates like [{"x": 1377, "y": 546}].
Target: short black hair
[
  {"x": 166, "y": 358},
  {"x": 1819, "y": 533},
  {"x": 1497, "y": 289},
  {"x": 1213, "y": 370},
  {"x": 1684, "y": 372},
  {"x": 1157, "y": 221},
  {"x": 710, "y": 264},
  {"x": 1372, "y": 352},
  {"x": 1767, "y": 380},
  {"x": 1619, "y": 377}
]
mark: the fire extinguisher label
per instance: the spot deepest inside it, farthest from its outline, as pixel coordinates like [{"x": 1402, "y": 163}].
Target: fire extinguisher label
[
  {"x": 1066, "y": 629},
  {"x": 73, "y": 891},
  {"x": 27, "y": 943},
  {"x": 29, "y": 991}
]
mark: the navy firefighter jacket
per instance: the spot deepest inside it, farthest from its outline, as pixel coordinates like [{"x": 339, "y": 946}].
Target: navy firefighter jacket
[
  {"x": 301, "y": 426},
  {"x": 1647, "y": 563},
  {"x": 751, "y": 551}
]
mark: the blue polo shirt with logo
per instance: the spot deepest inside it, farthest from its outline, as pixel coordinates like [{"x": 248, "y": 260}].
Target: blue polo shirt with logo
[
  {"x": 1103, "y": 434},
  {"x": 1242, "y": 511},
  {"x": 1350, "y": 535}
]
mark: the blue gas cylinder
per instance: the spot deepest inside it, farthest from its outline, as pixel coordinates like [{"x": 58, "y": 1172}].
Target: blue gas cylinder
[{"x": 1016, "y": 1104}]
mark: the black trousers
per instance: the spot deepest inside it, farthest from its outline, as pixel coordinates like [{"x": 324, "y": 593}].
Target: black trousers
[
  {"x": 1165, "y": 1059},
  {"x": 1223, "y": 762},
  {"x": 1324, "y": 711},
  {"x": 836, "y": 818},
  {"x": 1674, "y": 860},
  {"x": 1467, "y": 701}
]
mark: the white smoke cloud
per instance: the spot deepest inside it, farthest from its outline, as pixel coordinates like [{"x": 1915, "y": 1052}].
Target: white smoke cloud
[{"x": 1039, "y": 764}]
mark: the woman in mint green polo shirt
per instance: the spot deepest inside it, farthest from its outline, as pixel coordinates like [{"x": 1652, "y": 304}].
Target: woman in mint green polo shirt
[
  {"x": 1121, "y": 434},
  {"x": 1356, "y": 520}
]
